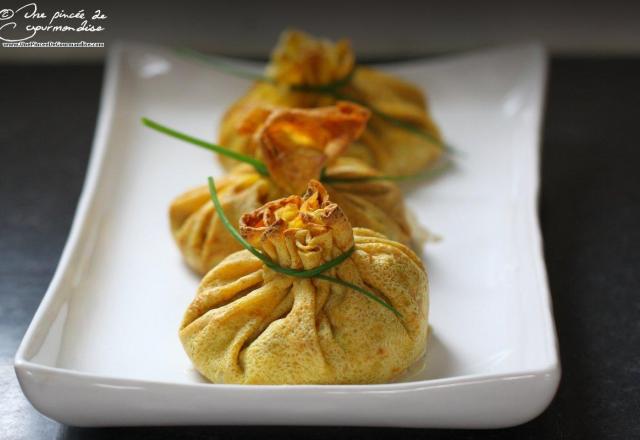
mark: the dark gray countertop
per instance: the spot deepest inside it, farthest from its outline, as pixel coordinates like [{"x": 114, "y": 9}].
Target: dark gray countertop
[{"x": 589, "y": 208}]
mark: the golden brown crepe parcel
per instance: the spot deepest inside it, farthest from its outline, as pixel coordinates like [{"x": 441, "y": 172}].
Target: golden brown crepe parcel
[
  {"x": 300, "y": 61},
  {"x": 249, "y": 324},
  {"x": 295, "y": 145}
]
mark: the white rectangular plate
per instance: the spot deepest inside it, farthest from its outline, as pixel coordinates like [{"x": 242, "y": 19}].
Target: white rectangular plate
[{"x": 103, "y": 347}]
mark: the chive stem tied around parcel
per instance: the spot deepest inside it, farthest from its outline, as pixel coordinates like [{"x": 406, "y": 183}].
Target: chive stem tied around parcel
[
  {"x": 333, "y": 89},
  {"x": 316, "y": 272},
  {"x": 261, "y": 168}
]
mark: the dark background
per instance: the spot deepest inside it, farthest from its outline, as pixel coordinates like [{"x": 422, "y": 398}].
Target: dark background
[
  {"x": 589, "y": 204},
  {"x": 378, "y": 29}
]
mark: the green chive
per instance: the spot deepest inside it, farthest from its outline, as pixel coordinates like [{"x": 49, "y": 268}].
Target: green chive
[
  {"x": 259, "y": 166},
  {"x": 225, "y": 65},
  {"x": 228, "y": 66},
  {"x": 428, "y": 174},
  {"x": 265, "y": 258},
  {"x": 311, "y": 273},
  {"x": 329, "y": 89},
  {"x": 359, "y": 289},
  {"x": 395, "y": 121}
]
